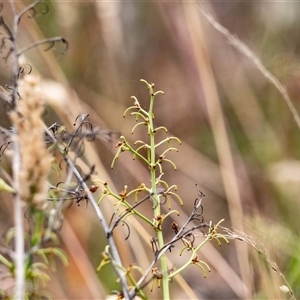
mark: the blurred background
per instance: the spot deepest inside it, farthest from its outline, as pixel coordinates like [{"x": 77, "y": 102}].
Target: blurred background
[{"x": 240, "y": 143}]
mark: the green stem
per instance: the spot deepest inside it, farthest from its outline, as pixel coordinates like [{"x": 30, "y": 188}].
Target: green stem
[
  {"x": 156, "y": 204},
  {"x": 128, "y": 205},
  {"x": 194, "y": 252},
  {"x": 36, "y": 237}
]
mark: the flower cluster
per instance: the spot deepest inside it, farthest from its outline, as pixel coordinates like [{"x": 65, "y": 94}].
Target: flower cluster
[{"x": 35, "y": 161}]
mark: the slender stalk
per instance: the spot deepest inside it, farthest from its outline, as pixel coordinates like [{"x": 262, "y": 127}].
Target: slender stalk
[
  {"x": 113, "y": 248},
  {"x": 19, "y": 230},
  {"x": 116, "y": 260},
  {"x": 194, "y": 252},
  {"x": 18, "y": 213},
  {"x": 15, "y": 64},
  {"x": 157, "y": 212}
]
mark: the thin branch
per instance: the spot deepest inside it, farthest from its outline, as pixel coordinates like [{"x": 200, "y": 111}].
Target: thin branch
[
  {"x": 168, "y": 245},
  {"x": 14, "y": 51},
  {"x": 128, "y": 211},
  {"x": 111, "y": 242},
  {"x": 113, "y": 249},
  {"x": 5, "y": 131},
  {"x": 26, "y": 9},
  {"x": 16, "y": 165},
  {"x": 19, "y": 230},
  {"x": 6, "y": 28},
  {"x": 50, "y": 41}
]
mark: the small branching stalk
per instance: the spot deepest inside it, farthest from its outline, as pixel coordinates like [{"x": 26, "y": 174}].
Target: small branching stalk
[{"x": 160, "y": 193}]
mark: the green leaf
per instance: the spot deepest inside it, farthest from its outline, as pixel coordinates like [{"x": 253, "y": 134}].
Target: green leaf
[
  {"x": 5, "y": 187},
  {"x": 47, "y": 255},
  {"x": 62, "y": 255},
  {"x": 6, "y": 262}
]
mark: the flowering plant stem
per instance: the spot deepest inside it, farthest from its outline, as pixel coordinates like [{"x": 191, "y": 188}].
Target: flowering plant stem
[{"x": 156, "y": 204}]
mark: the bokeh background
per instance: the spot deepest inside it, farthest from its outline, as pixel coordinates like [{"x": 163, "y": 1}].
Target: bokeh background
[{"x": 240, "y": 143}]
